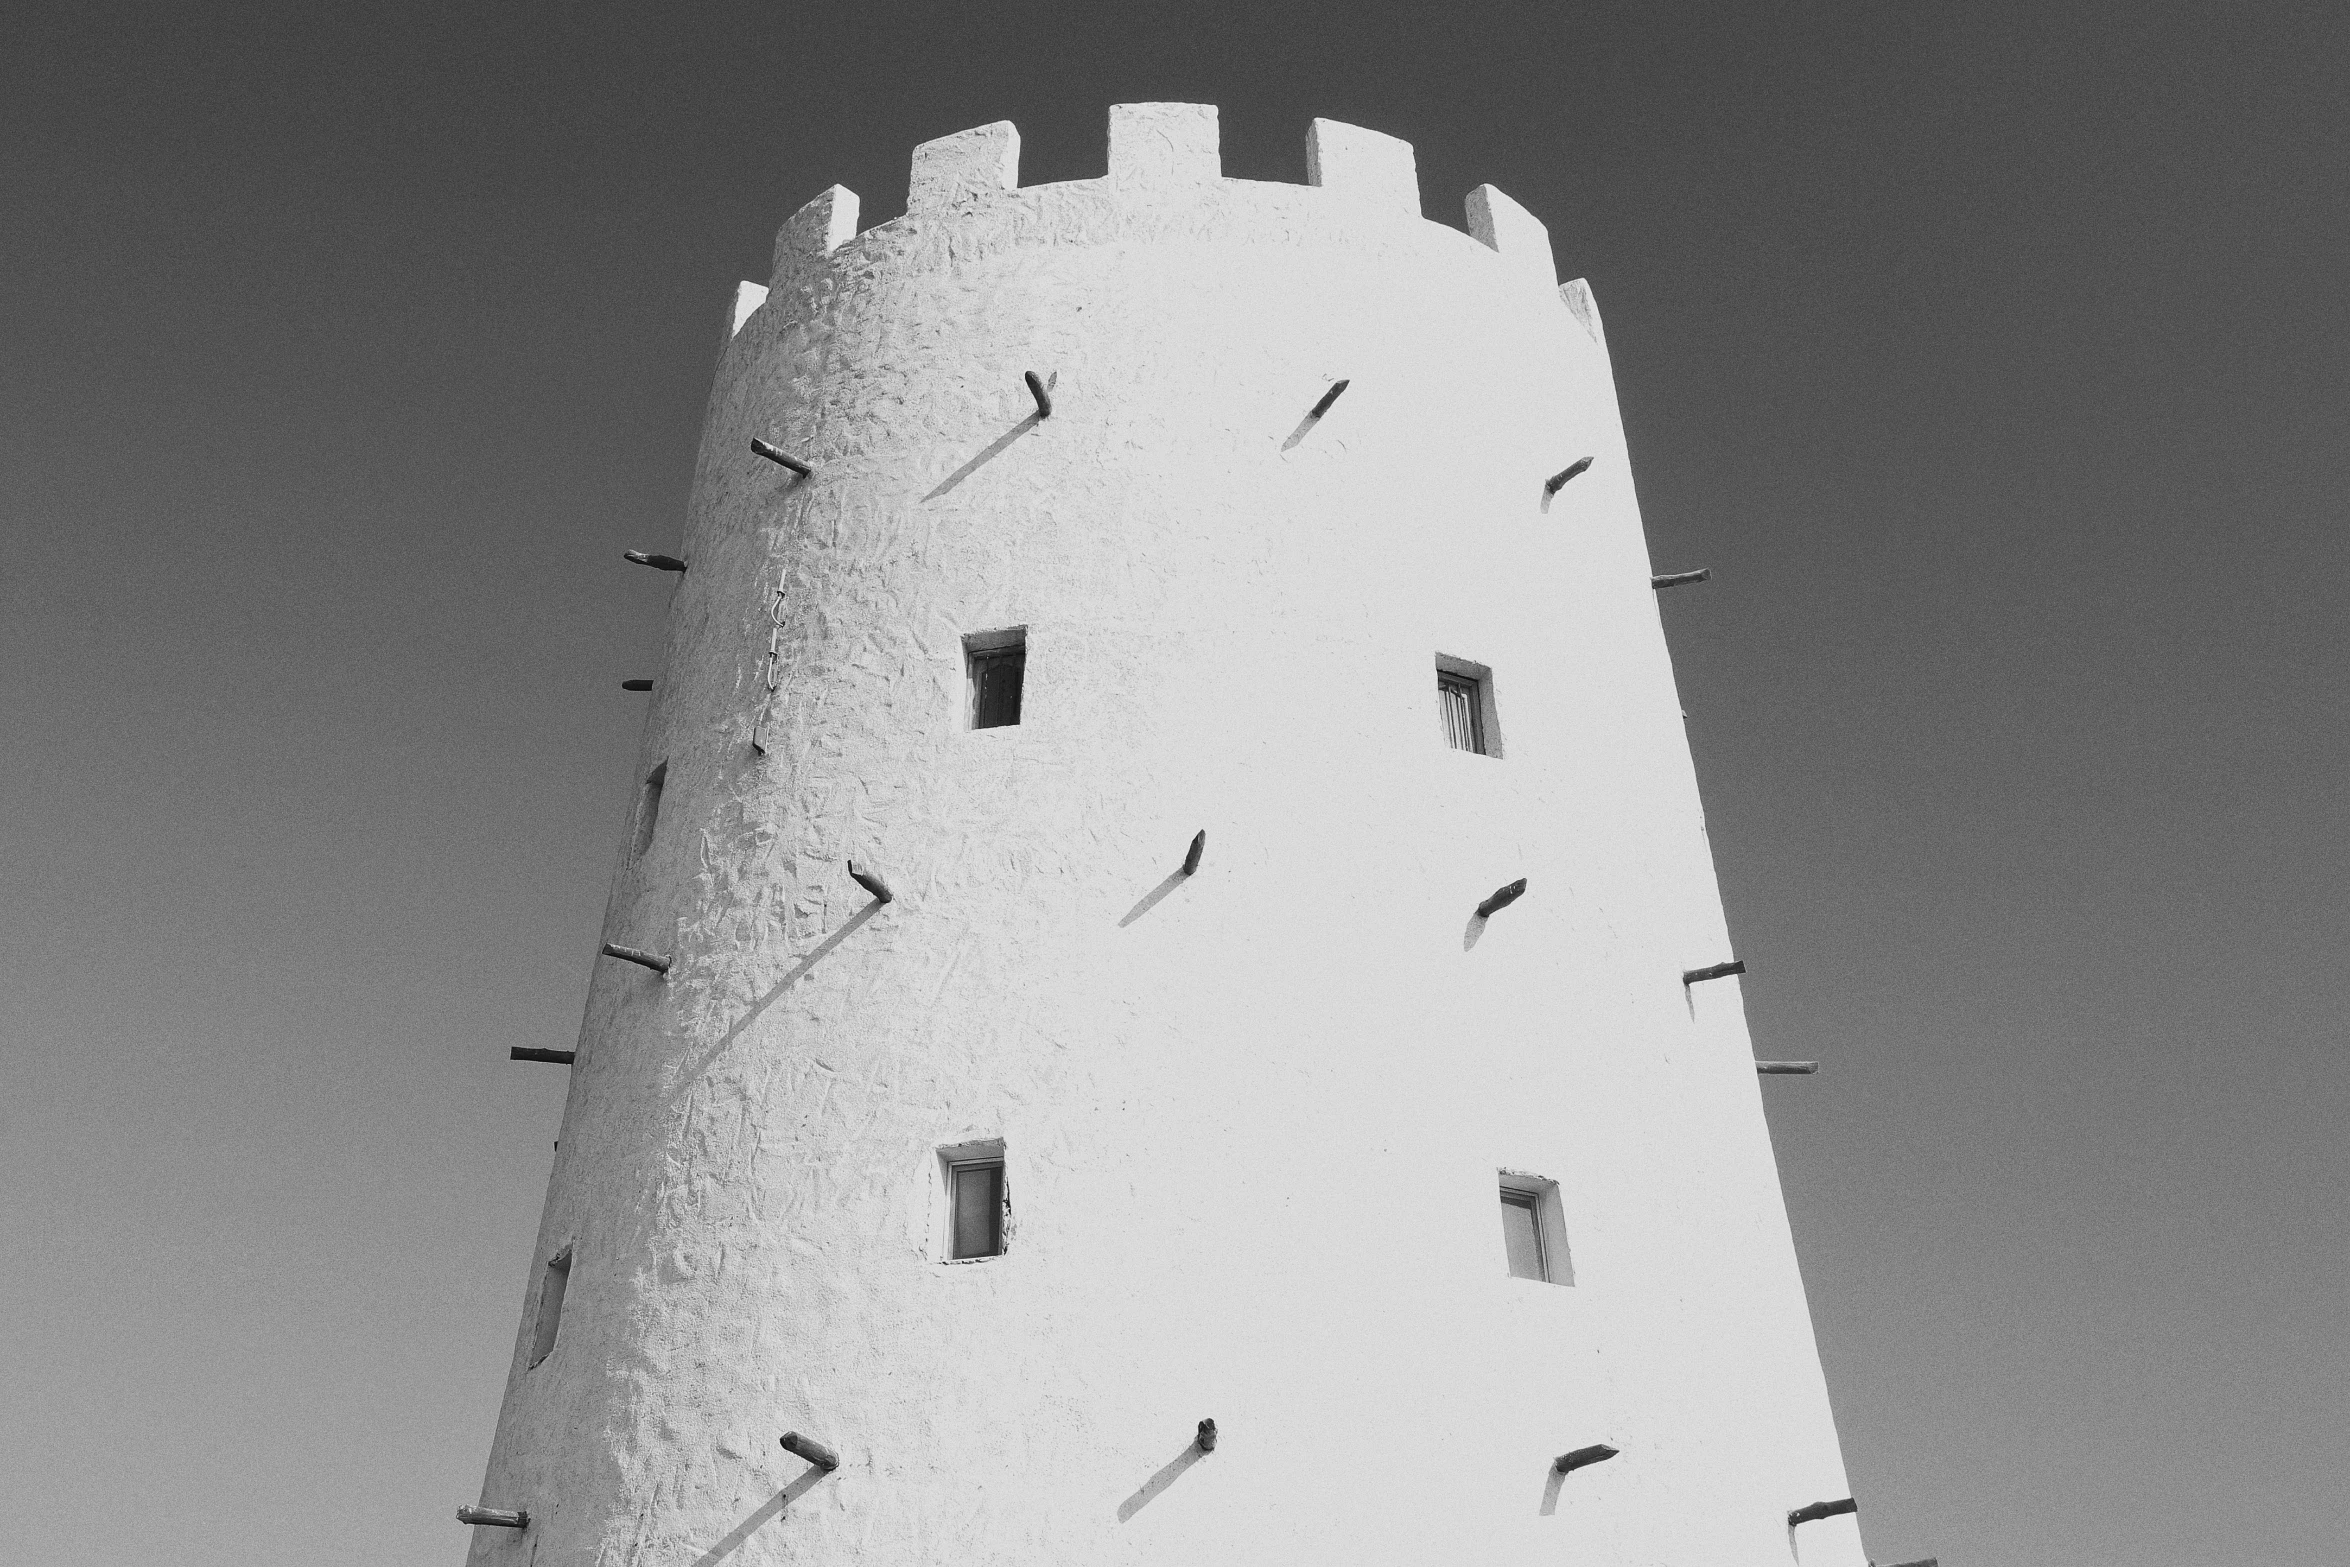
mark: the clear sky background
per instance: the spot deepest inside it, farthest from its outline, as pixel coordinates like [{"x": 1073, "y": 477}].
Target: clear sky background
[{"x": 1992, "y": 356}]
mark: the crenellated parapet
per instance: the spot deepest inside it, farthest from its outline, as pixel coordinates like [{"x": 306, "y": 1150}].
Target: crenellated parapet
[{"x": 1165, "y": 179}]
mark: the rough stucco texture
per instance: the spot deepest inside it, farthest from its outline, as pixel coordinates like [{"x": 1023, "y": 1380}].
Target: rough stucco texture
[{"x": 1253, "y": 1130}]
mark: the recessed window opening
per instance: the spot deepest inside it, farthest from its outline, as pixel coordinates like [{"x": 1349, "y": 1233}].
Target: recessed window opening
[
  {"x": 551, "y": 1288},
  {"x": 648, "y": 811},
  {"x": 1464, "y": 706},
  {"x": 998, "y": 664},
  {"x": 1533, "y": 1231},
  {"x": 977, "y": 1200},
  {"x": 1521, "y": 1233}
]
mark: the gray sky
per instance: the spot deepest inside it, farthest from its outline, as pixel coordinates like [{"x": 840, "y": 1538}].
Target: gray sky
[{"x": 1993, "y": 359}]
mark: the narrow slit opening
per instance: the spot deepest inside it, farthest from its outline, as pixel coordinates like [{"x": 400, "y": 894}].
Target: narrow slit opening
[
  {"x": 550, "y": 1318},
  {"x": 648, "y": 811}
]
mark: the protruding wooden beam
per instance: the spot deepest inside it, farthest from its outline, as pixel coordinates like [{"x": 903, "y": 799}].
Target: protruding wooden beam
[
  {"x": 1044, "y": 399},
  {"x": 871, "y": 883},
  {"x": 1691, "y": 976},
  {"x": 1207, "y": 1436},
  {"x": 1558, "y": 481},
  {"x": 1818, "y": 1510},
  {"x": 533, "y": 1053},
  {"x": 1675, "y": 579},
  {"x": 1329, "y": 397},
  {"x": 1786, "y": 1068},
  {"x": 1583, "y": 1458},
  {"x": 495, "y": 1517},
  {"x": 1199, "y": 846},
  {"x": 776, "y": 454},
  {"x": 657, "y": 562},
  {"x": 1502, "y": 898},
  {"x": 655, "y": 961},
  {"x": 636, "y": 685},
  {"x": 809, "y": 1448}
]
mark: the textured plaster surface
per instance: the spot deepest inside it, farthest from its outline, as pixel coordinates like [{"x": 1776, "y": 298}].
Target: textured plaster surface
[{"x": 1253, "y": 1119}]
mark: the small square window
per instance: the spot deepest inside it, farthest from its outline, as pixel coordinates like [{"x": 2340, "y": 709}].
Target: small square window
[
  {"x": 977, "y": 1200},
  {"x": 998, "y": 665},
  {"x": 1533, "y": 1234},
  {"x": 1464, "y": 706},
  {"x": 550, "y": 1318}
]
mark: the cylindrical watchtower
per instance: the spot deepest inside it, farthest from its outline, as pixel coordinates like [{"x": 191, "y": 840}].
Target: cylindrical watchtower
[{"x": 1063, "y": 1129}]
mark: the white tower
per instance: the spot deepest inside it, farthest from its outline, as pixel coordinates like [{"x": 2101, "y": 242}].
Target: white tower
[{"x": 997, "y": 1186}]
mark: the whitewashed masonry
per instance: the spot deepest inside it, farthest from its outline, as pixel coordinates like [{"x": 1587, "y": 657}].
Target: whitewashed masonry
[{"x": 1255, "y": 1122}]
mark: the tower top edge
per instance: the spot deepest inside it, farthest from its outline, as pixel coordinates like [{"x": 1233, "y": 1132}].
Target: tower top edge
[{"x": 1160, "y": 154}]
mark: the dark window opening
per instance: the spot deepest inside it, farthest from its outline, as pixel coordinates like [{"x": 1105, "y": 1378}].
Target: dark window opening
[
  {"x": 975, "y": 1207},
  {"x": 998, "y": 664}
]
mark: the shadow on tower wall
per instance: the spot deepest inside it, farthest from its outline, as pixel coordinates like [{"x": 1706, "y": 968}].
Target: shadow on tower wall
[
  {"x": 980, "y": 461},
  {"x": 1157, "y": 1483},
  {"x": 751, "y": 1013},
  {"x": 1150, "y": 899},
  {"x": 766, "y": 1510}
]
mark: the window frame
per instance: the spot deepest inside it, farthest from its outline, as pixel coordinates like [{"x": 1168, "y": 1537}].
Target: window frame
[
  {"x": 1513, "y": 1198},
  {"x": 1484, "y": 715},
  {"x": 983, "y": 650},
  {"x": 954, "y": 1163},
  {"x": 1540, "y": 1196}
]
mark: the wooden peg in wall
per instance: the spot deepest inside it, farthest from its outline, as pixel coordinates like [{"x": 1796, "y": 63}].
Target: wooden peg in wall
[
  {"x": 655, "y": 961},
  {"x": 1502, "y": 898},
  {"x": 1044, "y": 399},
  {"x": 1558, "y": 481},
  {"x": 1328, "y": 398},
  {"x": 776, "y": 454},
  {"x": 495, "y": 1517},
  {"x": 1583, "y": 1457},
  {"x": 809, "y": 1448}
]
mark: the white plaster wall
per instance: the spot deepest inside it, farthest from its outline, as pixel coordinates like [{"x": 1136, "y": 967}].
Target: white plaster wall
[{"x": 1252, "y": 1134}]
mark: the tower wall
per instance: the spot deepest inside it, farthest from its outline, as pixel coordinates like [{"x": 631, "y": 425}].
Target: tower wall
[{"x": 1253, "y": 1119}]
